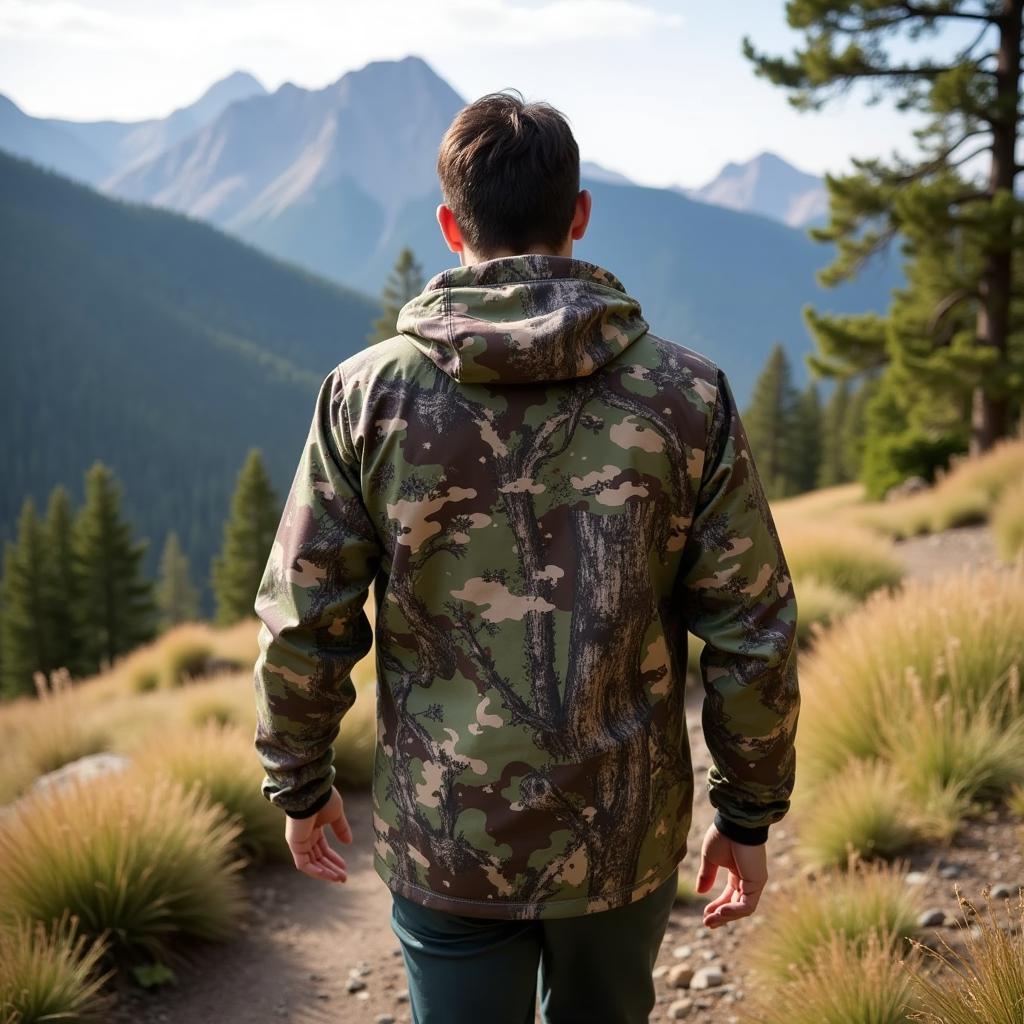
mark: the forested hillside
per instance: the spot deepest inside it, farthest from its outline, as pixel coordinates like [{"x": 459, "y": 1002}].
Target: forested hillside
[{"x": 160, "y": 346}]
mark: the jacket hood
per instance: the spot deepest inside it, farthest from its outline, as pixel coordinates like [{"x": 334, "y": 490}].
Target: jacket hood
[{"x": 515, "y": 319}]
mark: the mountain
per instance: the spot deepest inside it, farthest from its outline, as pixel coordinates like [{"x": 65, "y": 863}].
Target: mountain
[
  {"x": 159, "y": 345},
  {"x": 768, "y": 185},
  {"x": 595, "y": 172},
  {"x": 95, "y": 151},
  {"x": 338, "y": 179}
]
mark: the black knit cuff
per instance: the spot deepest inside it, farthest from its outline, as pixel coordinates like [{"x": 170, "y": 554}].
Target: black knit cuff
[
  {"x": 748, "y": 835},
  {"x": 320, "y": 801}
]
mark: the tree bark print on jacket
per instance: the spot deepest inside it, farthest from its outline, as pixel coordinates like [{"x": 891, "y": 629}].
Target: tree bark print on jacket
[{"x": 544, "y": 497}]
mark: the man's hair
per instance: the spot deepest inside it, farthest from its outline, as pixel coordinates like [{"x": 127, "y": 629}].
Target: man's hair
[{"x": 510, "y": 173}]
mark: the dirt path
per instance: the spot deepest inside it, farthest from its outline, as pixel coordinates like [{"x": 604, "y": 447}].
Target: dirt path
[{"x": 301, "y": 937}]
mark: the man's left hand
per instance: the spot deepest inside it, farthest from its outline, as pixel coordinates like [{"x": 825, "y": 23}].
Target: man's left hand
[{"x": 307, "y": 840}]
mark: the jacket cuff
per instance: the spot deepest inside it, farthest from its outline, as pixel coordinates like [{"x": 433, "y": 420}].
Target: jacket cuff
[
  {"x": 747, "y": 834},
  {"x": 320, "y": 801}
]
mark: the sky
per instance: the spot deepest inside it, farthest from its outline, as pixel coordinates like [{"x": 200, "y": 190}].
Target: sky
[{"x": 655, "y": 89}]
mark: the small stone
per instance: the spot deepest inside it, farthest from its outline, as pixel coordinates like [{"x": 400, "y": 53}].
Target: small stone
[
  {"x": 402, "y": 995},
  {"x": 950, "y": 871},
  {"x": 384, "y": 1018},
  {"x": 709, "y": 954},
  {"x": 682, "y": 952},
  {"x": 1002, "y": 892},
  {"x": 396, "y": 951},
  {"x": 355, "y": 984},
  {"x": 362, "y": 995},
  {"x": 660, "y": 971},
  {"x": 707, "y": 977},
  {"x": 680, "y": 976},
  {"x": 934, "y": 918},
  {"x": 916, "y": 878},
  {"x": 680, "y": 1009}
]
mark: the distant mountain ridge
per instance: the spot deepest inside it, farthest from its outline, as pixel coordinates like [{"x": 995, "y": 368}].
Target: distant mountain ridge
[
  {"x": 94, "y": 152},
  {"x": 769, "y": 185},
  {"x": 339, "y": 179}
]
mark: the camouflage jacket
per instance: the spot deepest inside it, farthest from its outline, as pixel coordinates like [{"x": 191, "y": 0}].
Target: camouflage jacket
[{"x": 545, "y": 497}]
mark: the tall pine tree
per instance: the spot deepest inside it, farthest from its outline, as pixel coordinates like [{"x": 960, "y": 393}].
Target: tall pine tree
[
  {"x": 807, "y": 441},
  {"x": 28, "y": 601},
  {"x": 953, "y": 329},
  {"x": 59, "y": 534},
  {"x": 405, "y": 282},
  {"x": 832, "y": 468},
  {"x": 248, "y": 535},
  {"x": 176, "y": 597},
  {"x": 772, "y": 424},
  {"x": 115, "y": 608}
]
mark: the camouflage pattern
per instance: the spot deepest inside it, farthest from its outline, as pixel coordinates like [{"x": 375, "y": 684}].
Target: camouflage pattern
[{"x": 544, "y": 497}]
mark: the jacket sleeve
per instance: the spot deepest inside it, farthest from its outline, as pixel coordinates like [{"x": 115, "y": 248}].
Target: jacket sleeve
[
  {"x": 738, "y": 598},
  {"x": 310, "y": 602}
]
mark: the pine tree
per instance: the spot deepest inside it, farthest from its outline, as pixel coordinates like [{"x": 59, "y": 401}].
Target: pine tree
[
  {"x": 952, "y": 331},
  {"x": 832, "y": 468},
  {"x": 28, "y": 600},
  {"x": 59, "y": 536},
  {"x": 248, "y": 535},
  {"x": 405, "y": 282},
  {"x": 115, "y": 608},
  {"x": 176, "y": 598},
  {"x": 855, "y": 427},
  {"x": 807, "y": 441},
  {"x": 772, "y": 425}
]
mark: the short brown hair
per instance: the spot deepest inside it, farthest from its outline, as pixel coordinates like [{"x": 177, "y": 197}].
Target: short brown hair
[{"x": 510, "y": 173}]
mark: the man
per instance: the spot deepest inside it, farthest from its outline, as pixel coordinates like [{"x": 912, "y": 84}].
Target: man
[{"x": 545, "y": 497}]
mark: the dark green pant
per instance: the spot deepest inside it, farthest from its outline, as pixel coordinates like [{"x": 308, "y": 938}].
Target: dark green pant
[{"x": 595, "y": 968}]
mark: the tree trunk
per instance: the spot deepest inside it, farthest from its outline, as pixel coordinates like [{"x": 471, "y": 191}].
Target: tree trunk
[{"x": 989, "y": 414}]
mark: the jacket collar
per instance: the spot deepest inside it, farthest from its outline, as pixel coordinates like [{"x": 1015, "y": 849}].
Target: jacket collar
[{"x": 524, "y": 318}]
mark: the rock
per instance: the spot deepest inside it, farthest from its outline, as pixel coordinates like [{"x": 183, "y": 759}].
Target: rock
[
  {"x": 680, "y": 976},
  {"x": 384, "y": 1018},
  {"x": 660, "y": 971},
  {"x": 396, "y": 951},
  {"x": 912, "y": 485},
  {"x": 1002, "y": 892},
  {"x": 682, "y": 952},
  {"x": 916, "y": 878},
  {"x": 402, "y": 996},
  {"x": 707, "y": 977},
  {"x": 934, "y": 918},
  {"x": 355, "y": 984},
  {"x": 92, "y": 766},
  {"x": 680, "y": 1009},
  {"x": 709, "y": 954},
  {"x": 362, "y": 995},
  {"x": 950, "y": 871}
]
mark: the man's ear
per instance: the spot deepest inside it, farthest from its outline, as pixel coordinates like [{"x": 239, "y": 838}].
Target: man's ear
[
  {"x": 449, "y": 228},
  {"x": 581, "y": 218}
]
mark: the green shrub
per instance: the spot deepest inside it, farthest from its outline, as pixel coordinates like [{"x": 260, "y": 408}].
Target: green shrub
[
  {"x": 844, "y": 985},
  {"x": 984, "y": 984},
  {"x": 140, "y": 856},
  {"x": 185, "y": 658},
  {"x": 961, "y": 634},
  {"x": 844, "y": 558},
  {"x": 1008, "y": 522},
  {"x": 818, "y": 605},
  {"x": 865, "y": 810},
  {"x": 213, "y": 708},
  {"x": 144, "y": 679},
  {"x": 222, "y": 761},
  {"x": 51, "y": 974},
  {"x": 867, "y": 899}
]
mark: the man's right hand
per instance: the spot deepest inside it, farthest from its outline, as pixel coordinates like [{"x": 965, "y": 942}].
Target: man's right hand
[{"x": 748, "y": 874}]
